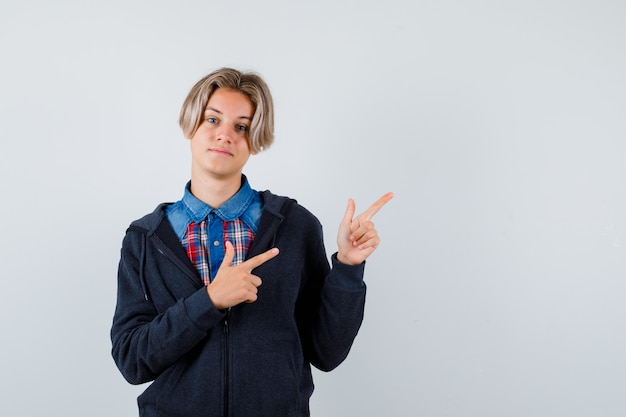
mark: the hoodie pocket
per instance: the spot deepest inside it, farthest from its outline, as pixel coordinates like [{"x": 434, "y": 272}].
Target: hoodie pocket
[
  {"x": 265, "y": 385},
  {"x": 190, "y": 387}
]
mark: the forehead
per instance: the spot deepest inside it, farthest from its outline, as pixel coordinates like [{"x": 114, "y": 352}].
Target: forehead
[{"x": 225, "y": 100}]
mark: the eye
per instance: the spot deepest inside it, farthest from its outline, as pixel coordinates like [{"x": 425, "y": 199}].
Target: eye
[
  {"x": 211, "y": 119},
  {"x": 242, "y": 128}
]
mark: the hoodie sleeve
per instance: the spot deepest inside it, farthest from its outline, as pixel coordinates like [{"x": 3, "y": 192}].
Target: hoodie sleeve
[
  {"x": 147, "y": 339},
  {"x": 331, "y": 309}
]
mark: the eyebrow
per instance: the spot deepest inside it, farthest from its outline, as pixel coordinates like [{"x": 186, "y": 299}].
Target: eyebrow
[{"x": 219, "y": 112}]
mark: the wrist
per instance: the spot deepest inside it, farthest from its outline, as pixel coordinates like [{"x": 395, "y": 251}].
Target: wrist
[
  {"x": 213, "y": 299},
  {"x": 344, "y": 259}
]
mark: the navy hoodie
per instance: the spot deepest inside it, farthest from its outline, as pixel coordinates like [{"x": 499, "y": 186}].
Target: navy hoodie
[{"x": 253, "y": 359}]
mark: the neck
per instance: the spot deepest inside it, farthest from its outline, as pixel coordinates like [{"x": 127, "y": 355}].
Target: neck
[{"x": 214, "y": 191}]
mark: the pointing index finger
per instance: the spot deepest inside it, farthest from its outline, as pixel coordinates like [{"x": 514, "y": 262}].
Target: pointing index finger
[
  {"x": 261, "y": 258},
  {"x": 374, "y": 208}
]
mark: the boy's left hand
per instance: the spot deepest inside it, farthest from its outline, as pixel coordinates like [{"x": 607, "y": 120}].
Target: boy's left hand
[{"x": 357, "y": 238}]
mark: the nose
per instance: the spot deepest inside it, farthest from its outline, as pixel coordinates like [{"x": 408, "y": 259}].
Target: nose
[{"x": 224, "y": 135}]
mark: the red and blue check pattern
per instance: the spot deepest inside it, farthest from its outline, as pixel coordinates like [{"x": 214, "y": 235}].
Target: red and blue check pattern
[
  {"x": 196, "y": 239},
  {"x": 241, "y": 236},
  {"x": 195, "y": 243}
]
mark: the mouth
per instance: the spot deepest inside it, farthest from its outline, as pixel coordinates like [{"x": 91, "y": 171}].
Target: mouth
[{"x": 220, "y": 151}]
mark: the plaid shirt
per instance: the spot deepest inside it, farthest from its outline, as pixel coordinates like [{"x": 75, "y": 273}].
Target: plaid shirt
[
  {"x": 202, "y": 230},
  {"x": 196, "y": 240}
]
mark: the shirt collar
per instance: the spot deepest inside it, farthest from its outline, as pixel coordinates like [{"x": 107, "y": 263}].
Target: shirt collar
[{"x": 233, "y": 208}]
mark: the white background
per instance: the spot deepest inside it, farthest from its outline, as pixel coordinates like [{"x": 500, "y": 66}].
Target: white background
[{"x": 499, "y": 286}]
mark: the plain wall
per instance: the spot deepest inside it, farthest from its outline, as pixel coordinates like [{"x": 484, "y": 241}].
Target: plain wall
[{"x": 498, "y": 289}]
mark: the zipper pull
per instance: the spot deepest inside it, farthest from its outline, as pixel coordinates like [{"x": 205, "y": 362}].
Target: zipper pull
[{"x": 225, "y": 326}]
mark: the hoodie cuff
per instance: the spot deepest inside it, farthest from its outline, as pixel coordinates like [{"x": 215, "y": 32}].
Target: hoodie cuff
[
  {"x": 348, "y": 277},
  {"x": 201, "y": 310}
]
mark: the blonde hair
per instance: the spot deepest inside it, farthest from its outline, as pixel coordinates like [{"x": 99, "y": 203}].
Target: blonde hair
[{"x": 251, "y": 85}]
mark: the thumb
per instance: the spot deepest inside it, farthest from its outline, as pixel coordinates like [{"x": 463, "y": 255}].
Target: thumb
[
  {"x": 229, "y": 254},
  {"x": 349, "y": 214}
]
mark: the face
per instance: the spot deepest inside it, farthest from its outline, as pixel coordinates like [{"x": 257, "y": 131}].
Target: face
[{"x": 219, "y": 148}]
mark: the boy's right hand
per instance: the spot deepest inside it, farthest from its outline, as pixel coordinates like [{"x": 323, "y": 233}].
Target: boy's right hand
[{"x": 236, "y": 284}]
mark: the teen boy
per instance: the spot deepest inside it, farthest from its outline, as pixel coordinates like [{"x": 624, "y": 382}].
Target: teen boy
[{"x": 207, "y": 307}]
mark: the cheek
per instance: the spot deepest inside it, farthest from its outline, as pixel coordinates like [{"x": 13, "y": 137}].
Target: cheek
[
  {"x": 195, "y": 145},
  {"x": 244, "y": 151},
  {"x": 200, "y": 138}
]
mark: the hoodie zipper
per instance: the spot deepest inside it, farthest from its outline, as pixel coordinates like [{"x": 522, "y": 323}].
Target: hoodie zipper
[{"x": 225, "y": 331}]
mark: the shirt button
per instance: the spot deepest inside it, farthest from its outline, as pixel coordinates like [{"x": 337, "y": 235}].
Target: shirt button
[{"x": 216, "y": 243}]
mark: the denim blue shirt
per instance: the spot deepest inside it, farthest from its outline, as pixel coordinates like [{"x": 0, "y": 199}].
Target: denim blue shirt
[{"x": 245, "y": 205}]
